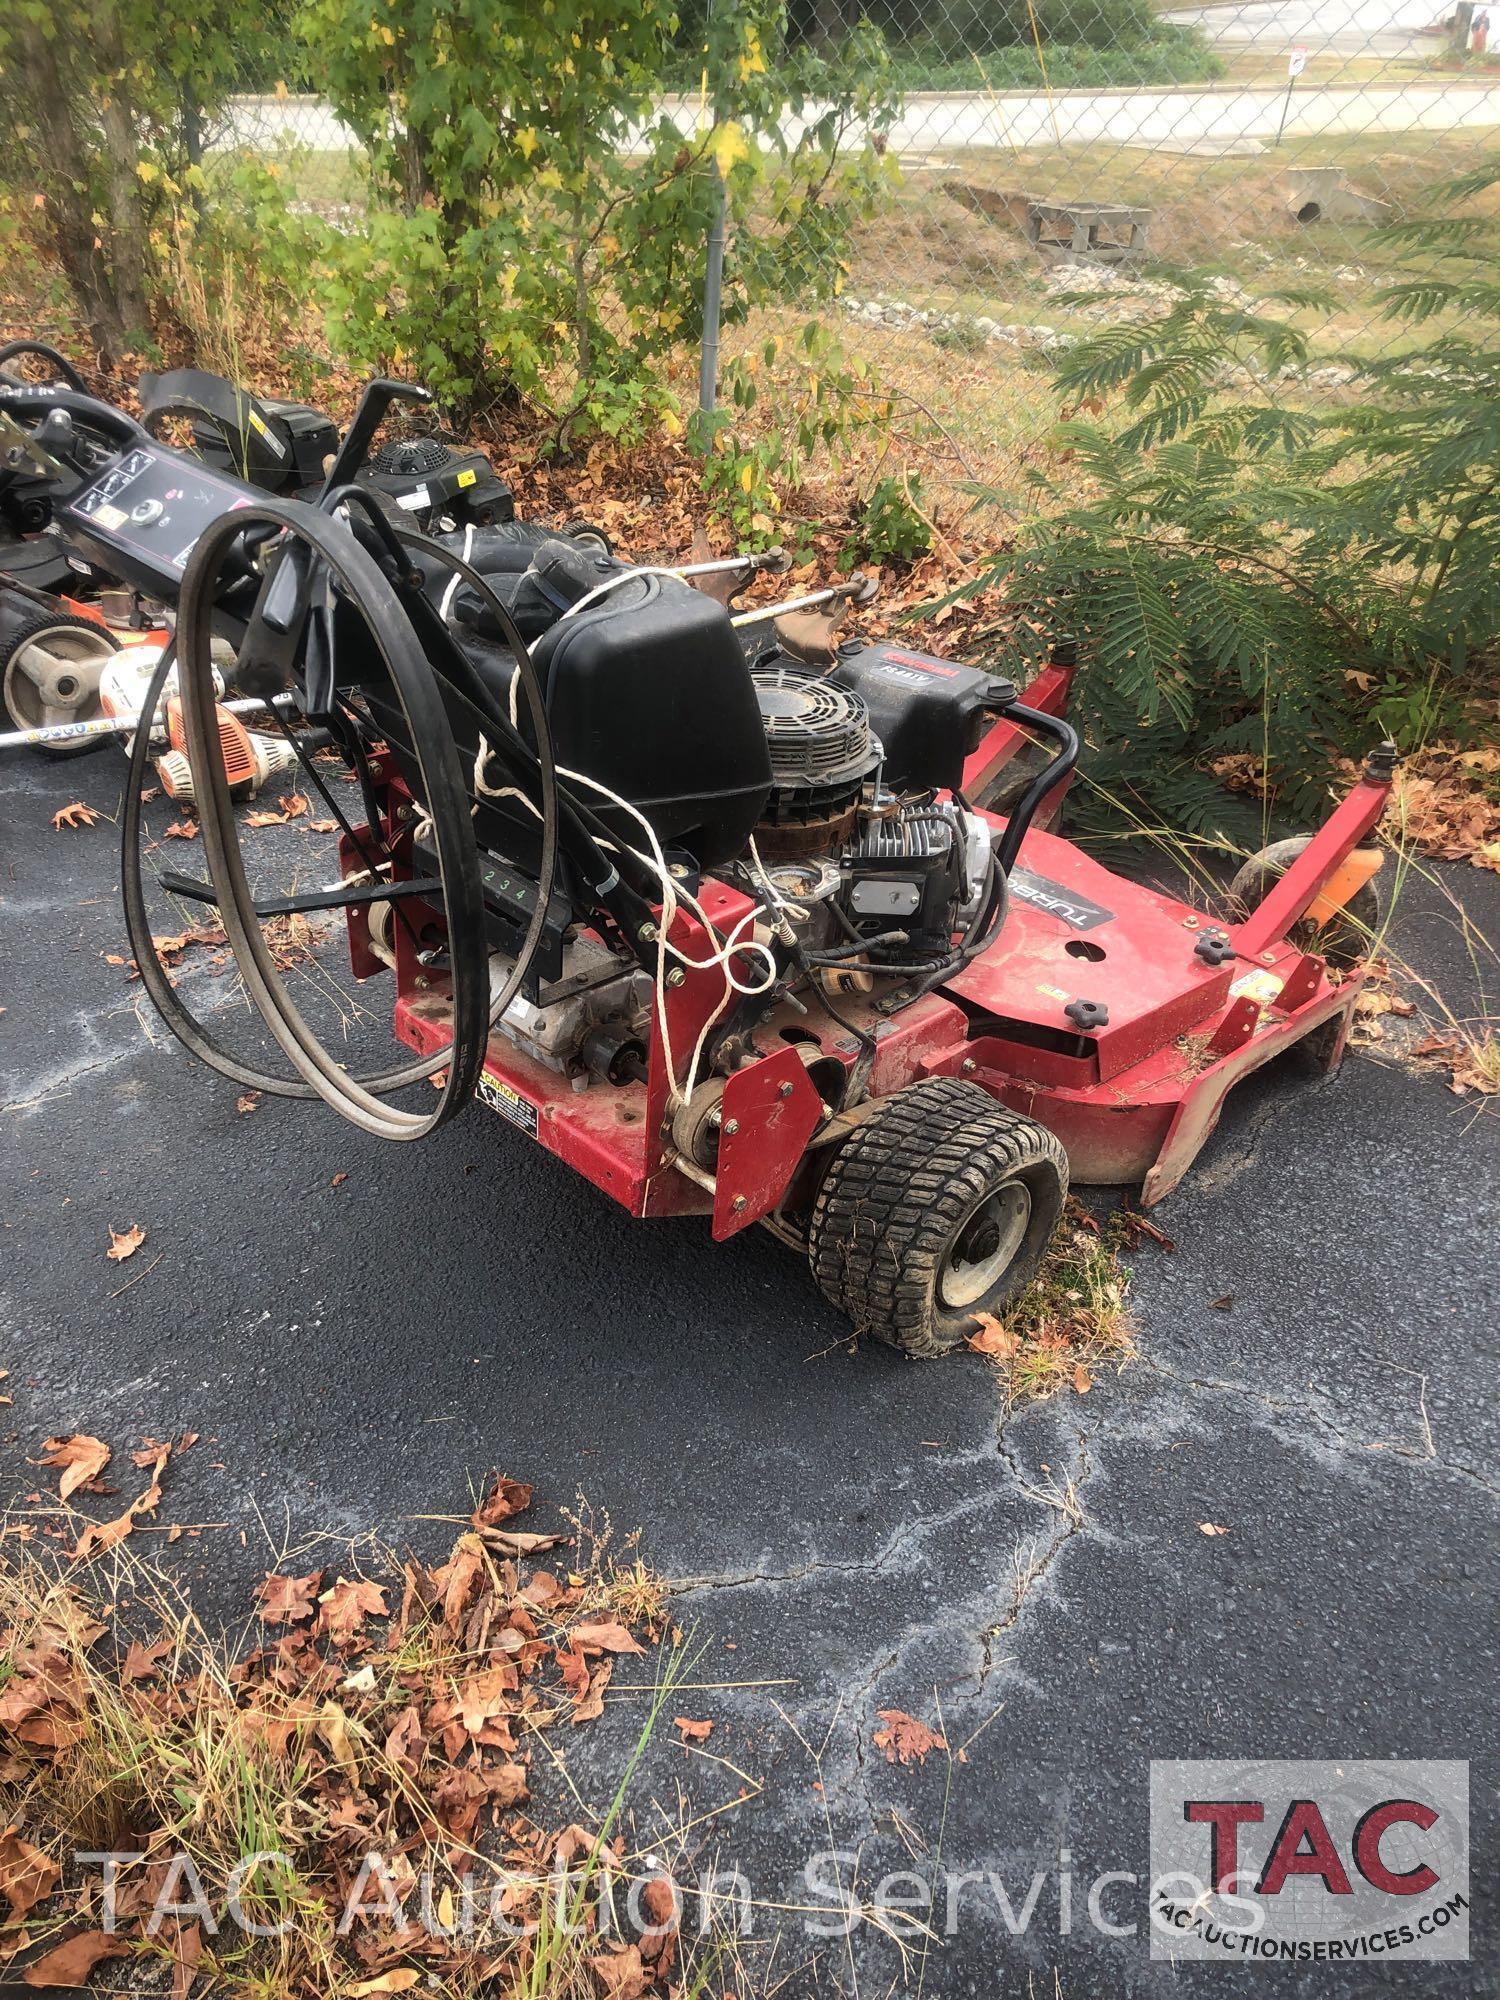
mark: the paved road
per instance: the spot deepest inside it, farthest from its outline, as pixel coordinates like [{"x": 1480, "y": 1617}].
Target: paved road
[
  {"x": 1321, "y": 27},
  {"x": 859, "y": 1530},
  {"x": 942, "y": 123}
]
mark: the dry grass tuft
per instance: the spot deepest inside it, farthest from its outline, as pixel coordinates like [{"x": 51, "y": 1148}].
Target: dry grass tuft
[
  {"x": 1073, "y": 1320},
  {"x": 403, "y": 1710}
]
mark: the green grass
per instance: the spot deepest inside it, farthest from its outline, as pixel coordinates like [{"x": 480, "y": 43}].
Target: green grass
[{"x": 1169, "y": 55}]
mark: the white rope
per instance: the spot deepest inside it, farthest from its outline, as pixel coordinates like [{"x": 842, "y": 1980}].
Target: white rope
[
  {"x": 673, "y": 897},
  {"x": 613, "y": 583},
  {"x": 446, "y": 603}
]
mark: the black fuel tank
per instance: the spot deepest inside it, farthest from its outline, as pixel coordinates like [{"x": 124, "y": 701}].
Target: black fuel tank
[
  {"x": 928, "y": 713},
  {"x": 649, "y": 691}
]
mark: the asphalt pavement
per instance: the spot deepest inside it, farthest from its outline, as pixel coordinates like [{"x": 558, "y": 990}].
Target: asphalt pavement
[
  {"x": 848, "y": 1533},
  {"x": 935, "y": 123}
]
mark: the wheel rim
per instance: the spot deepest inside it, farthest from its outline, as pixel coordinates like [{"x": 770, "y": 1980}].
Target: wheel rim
[
  {"x": 80, "y": 691},
  {"x": 985, "y": 1245}
]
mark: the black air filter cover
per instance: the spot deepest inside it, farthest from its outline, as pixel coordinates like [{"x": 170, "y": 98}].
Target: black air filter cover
[{"x": 649, "y": 692}]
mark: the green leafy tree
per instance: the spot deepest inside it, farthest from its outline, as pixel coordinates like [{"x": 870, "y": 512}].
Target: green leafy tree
[
  {"x": 102, "y": 107},
  {"x": 1246, "y": 576},
  {"x": 539, "y": 207}
]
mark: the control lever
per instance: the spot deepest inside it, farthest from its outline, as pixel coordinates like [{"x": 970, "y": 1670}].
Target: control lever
[
  {"x": 288, "y": 603},
  {"x": 284, "y": 604},
  {"x": 375, "y": 399}
]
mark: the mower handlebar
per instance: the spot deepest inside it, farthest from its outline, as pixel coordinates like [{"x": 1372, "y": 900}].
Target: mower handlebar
[
  {"x": 24, "y": 402},
  {"x": 66, "y": 372},
  {"x": 1043, "y": 784}
]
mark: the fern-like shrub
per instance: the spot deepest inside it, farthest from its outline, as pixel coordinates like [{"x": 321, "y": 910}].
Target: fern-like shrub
[{"x": 1246, "y": 575}]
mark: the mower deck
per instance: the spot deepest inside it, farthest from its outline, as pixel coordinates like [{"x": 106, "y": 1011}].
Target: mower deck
[
  {"x": 1133, "y": 1099},
  {"x": 1117, "y": 1017}
]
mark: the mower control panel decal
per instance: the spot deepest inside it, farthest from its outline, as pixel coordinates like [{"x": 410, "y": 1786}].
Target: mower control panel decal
[
  {"x": 509, "y": 1103},
  {"x": 1073, "y": 909},
  {"x": 154, "y": 504}
]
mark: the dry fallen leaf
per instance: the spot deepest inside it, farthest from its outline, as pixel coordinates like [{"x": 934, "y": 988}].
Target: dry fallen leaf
[
  {"x": 332, "y": 1729},
  {"x": 27, "y": 1876},
  {"x": 590, "y": 1706},
  {"x": 124, "y": 1243},
  {"x": 904, "y": 1739},
  {"x": 504, "y": 1498},
  {"x": 514, "y": 1542},
  {"x": 607, "y": 1636},
  {"x": 692, "y": 1732},
  {"x": 1211, "y": 1528},
  {"x": 169, "y": 949},
  {"x": 293, "y": 806},
  {"x": 401, "y": 1980},
  {"x": 622, "y": 1975},
  {"x": 71, "y": 1963},
  {"x": 82, "y": 1458},
  {"x": 185, "y": 1957},
  {"x": 77, "y": 814},
  {"x": 141, "y": 1663},
  {"x": 289, "y": 1600},
  {"x": 993, "y": 1339},
  {"x": 1082, "y": 1380},
  {"x": 1137, "y": 1226},
  {"x": 181, "y": 829},
  {"x": 345, "y": 1606},
  {"x": 249, "y": 1102}
]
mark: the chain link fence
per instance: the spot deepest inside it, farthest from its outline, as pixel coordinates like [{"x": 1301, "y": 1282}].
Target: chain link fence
[
  {"x": 1263, "y": 139},
  {"x": 1046, "y": 149}
]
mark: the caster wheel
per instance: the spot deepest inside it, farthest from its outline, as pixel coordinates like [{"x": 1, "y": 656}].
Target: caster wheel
[{"x": 1343, "y": 941}]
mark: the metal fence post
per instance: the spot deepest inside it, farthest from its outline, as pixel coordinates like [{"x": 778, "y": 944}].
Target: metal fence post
[
  {"x": 713, "y": 269},
  {"x": 713, "y": 286}
]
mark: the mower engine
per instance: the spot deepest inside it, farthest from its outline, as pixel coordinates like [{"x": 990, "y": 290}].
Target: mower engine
[
  {"x": 865, "y": 865},
  {"x": 854, "y": 848}
]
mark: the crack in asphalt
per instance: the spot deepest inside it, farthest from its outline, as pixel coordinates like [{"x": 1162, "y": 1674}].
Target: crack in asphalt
[
  {"x": 880, "y": 1563},
  {"x": 1037, "y": 1567},
  {"x": 1296, "y": 1419},
  {"x": 61, "y": 1082}
]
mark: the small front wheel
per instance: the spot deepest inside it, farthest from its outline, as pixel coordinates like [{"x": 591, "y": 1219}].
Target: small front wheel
[
  {"x": 936, "y": 1210},
  {"x": 1348, "y": 936}
]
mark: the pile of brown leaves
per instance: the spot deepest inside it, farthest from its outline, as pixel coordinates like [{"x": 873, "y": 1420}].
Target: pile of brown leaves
[
  {"x": 400, "y": 1715},
  {"x": 1446, "y": 802}
]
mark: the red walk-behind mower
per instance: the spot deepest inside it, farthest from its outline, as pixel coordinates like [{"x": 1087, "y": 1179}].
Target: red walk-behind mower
[{"x": 724, "y": 926}]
